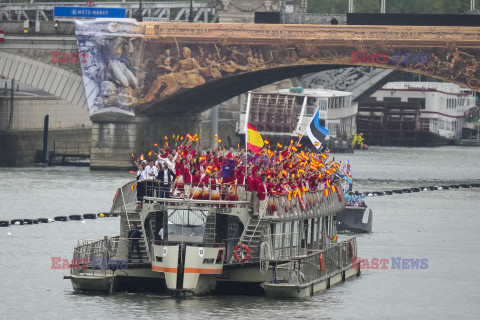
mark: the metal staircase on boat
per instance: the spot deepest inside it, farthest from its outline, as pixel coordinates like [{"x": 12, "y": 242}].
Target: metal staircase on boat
[
  {"x": 126, "y": 223},
  {"x": 253, "y": 233}
]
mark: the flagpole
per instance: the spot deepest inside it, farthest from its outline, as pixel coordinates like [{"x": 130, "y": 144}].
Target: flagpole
[
  {"x": 298, "y": 142},
  {"x": 247, "y": 115}
]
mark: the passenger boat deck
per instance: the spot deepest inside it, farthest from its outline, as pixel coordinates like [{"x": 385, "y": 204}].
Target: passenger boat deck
[{"x": 284, "y": 246}]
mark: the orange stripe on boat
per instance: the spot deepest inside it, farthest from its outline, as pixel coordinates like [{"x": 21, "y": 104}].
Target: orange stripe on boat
[
  {"x": 164, "y": 269},
  {"x": 206, "y": 271}
]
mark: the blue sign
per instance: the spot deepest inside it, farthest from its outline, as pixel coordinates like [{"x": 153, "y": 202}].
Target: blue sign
[{"x": 89, "y": 12}]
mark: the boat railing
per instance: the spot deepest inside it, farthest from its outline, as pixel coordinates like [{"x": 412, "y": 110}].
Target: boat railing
[
  {"x": 308, "y": 204},
  {"x": 278, "y": 206},
  {"x": 285, "y": 247},
  {"x": 219, "y": 196},
  {"x": 125, "y": 197},
  {"x": 179, "y": 194},
  {"x": 321, "y": 263},
  {"x": 94, "y": 254}
]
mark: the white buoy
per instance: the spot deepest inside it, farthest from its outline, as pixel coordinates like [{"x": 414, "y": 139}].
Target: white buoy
[
  {"x": 50, "y": 220},
  {"x": 9, "y": 234},
  {"x": 370, "y": 194},
  {"x": 440, "y": 188},
  {"x": 83, "y": 221},
  {"x": 17, "y": 223},
  {"x": 424, "y": 189}
]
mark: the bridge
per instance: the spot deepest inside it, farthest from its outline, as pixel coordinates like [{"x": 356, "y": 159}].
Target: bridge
[
  {"x": 251, "y": 55},
  {"x": 176, "y": 64}
]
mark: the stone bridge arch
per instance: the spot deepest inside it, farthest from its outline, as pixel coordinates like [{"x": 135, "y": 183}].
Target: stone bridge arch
[
  {"x": 157, "y": 76},
  {"x": 56, "y": 81},
  {"x": 233, "y": 58}
]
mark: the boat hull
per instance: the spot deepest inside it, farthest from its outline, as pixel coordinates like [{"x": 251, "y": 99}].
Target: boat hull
[
  {"x": 91, "y": 284},
  {"x": 355, "y": 219}
]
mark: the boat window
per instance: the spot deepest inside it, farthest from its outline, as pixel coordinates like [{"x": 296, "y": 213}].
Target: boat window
[
  {"x": 295, "y": 234},
  {"x": 309, "y": 111},
  {"x": 186, "y": 224},
  {"x": 323, "y": 104}
]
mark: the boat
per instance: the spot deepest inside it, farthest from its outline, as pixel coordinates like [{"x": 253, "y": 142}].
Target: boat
[
  {"x": 471, "y": 128},
  {"x": 415, "y": 114},
  {"x": 216, "y": 245},
  {"x": 354, "y": 219},
  {"x": 285, "y": 114}
]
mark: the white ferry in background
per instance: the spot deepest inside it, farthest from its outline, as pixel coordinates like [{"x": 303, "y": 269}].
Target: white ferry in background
[
  {"x": 282, "y": 115},
  {"x": 415, "y": 113}
]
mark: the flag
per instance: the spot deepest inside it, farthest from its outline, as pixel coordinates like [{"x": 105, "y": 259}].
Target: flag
[
  {"x": 254, "y": 139},
  {"x": 348, "y": 177},
  {"x": 228, "y": 165},
  {"x": 132, "y": 187},
  {"x": 348, "y": 173},
  {"x": 316, "y": 132}
]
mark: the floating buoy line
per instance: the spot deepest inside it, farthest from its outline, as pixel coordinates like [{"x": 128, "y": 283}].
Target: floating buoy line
[
  {"x": 419, "y": 189},
  {"x": 73, "y": 217}
]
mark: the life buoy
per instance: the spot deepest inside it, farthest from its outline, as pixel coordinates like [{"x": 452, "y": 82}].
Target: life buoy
[
  {"x": 322, "y": 263},
  {"x": 247, "y": 251},
  {"x": 350, "y": 247}
]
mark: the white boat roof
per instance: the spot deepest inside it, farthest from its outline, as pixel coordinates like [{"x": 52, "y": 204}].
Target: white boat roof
[
  {"x": 317, "y": 93},
  {"x": 438, "y": 86}
]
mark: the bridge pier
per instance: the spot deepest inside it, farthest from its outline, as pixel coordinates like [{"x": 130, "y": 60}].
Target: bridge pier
[
  {"x": 116, "y": 136},
  {"x": 153, "y": 129},
  {"x": 113, "y": 141}
]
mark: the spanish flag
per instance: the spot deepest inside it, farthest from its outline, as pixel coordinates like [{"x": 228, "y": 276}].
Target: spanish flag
[{"x": 254, "y": 139}]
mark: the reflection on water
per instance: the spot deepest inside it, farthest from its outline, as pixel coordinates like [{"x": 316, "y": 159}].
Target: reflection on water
[{"x": 441, "y": 226}]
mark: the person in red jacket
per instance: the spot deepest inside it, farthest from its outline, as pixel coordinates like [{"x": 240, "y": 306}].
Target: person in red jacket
[
  {"x": 262, "y": 193},
  {"x": 187, "y": 180},
  {"x": 197, "y": 185}
]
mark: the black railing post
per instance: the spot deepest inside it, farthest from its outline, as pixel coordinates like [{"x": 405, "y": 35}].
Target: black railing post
[
  {"x": 190, "y": 14},
  {"x": 10, "y": 119},
  {"x": 140, "y": 12},
  {"x": 45, "y": 139}
]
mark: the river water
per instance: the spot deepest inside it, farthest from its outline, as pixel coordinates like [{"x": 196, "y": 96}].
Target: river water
[{"x": 441, "y": 226}]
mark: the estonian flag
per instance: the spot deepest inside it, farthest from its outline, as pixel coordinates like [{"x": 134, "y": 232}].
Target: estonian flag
[{"x": 316, "y": 132}]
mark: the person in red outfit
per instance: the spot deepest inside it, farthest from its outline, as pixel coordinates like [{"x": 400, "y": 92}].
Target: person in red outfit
[{"x": 262, "y": 193}]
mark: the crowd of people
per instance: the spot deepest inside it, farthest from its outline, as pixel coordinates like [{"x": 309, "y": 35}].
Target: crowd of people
[
  {"x": 181, "y": 169},
  {"x": 354, "y": 199}
]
